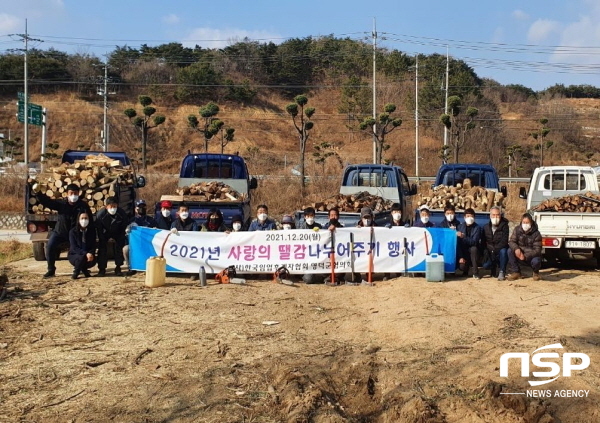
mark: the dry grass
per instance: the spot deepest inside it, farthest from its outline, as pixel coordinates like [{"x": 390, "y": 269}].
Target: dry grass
[
  {"x": 13, "y": 250},
  {"x": 12, "y": 192}
]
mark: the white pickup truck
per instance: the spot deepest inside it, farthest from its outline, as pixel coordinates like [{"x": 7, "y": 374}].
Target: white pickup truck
[{"x": 565, "y": 236}]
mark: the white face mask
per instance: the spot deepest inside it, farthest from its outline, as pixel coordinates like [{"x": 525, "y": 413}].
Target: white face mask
[
  {"x": 469, "y": 220},
  {"x": 525, "y": 226},
  {"x": 184, "y": 215},
  {"x": 165, "y": 213},
  {"x": 237, "y": 226},
  {"x": 396, "y": 216},
  {"x": 424, "y": 219},
  {"x": 495, "y": 221},
  {"x": 84, "y": 222},
  {"x": 287, "y": 226},
  {"x": 366, "y": 222},
  {"x": 449, "y": 217},
  {"x": 262, "y": 217},
  {"x": 73, "y": 198},
  {"x": 111, "y": 211},
  {"x": 309, "y": 220}
]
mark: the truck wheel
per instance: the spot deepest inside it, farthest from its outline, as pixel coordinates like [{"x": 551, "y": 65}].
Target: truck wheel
[{"x": 39, "y": 251}]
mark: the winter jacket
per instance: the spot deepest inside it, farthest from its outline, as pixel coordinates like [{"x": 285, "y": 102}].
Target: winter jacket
[
  {"x": 164, "y": 222},
  {"x": 82, "y": 242},
  {"x": 67, "y": 213},
  {"x": 529, "y": 242},
  {"x": 145, "y": 221},
  {"x": 221, "y": 228},
  {"x": 305, "y": 225},
  {"x": 188, "y": 224},
  {"x": 450, "y": 225},
  {"x": 472, "y": 235},
  {"x": 111, "y": 226},
  {"x": 419, "y": 224},
  {"x": 496, "y": 240},
  {"x": 267, "y": 225}
]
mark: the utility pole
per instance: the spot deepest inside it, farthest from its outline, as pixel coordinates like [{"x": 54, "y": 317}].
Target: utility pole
[
  {"x": 103, "y": 91},
  {"x": 417, "y": 118},
  {"x": 374, "y": 92},
  {"x": 446, "y": 99},
  {"x": 26, "y": 104}
]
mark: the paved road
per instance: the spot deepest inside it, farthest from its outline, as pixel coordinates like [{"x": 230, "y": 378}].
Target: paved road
[{"x": 19, "y": 235}]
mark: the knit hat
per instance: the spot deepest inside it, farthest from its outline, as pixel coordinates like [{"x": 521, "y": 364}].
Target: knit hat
[{"x": 366, "y": 211}]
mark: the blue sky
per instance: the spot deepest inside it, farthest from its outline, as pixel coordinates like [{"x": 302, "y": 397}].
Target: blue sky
[{"x": 534, "y": 43}]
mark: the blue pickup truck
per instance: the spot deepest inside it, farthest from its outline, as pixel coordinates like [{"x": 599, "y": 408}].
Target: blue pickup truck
[
  {"x": 229, "y": 169},
  {"x": 481, "y": 175},
  {"x": 386, "y": 181},
  {"x": 39, "y": 225}
]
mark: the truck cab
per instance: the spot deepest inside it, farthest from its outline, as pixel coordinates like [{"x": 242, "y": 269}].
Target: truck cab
[
  {"x": 565, "y": 235},
  {"x": 386, "y": 181},
  {"x": 229, "y": 169}
]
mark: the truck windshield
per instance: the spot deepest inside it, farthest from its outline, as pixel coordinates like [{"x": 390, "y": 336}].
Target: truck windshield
[
  {"x": 477, "y": 177},
  {"x": 213, "y": 166},
  {"x": 564, "y": 182},
  {"x": 367, "y": 178}
]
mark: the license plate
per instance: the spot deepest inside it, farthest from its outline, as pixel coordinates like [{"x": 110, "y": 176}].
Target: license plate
[{"x": 580, "y": 244}]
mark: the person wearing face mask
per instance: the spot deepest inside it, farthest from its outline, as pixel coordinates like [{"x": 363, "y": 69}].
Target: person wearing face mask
[
  {"x": 396, "y": 217},
  {"x": 423, "y": 221},
  {"x": 287, "y": 222},
  {"x": 469, "y": 243},
  {"x": 68, "y": 209},
  {"x": 525, "y": 247},
  {"x": 309, "y": 220},
  {"x": 111, "y": 223},
  {"x": 165, "y": 219},
  {"x": 184, "y": 222},
  {"x": 262, "y": 221},
  {"x": 237, "y": 223},
  {"x": 495, "y": 241},
  {"x": 450, "y": 221},
  {"x": 82, "y": 246},
  {"x": 214, "y": 223},
  {"x": 366, "y": 218},
  {"x": 141, "y": 217}
]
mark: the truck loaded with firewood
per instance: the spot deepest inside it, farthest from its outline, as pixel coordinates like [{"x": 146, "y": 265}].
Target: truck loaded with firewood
[
  {"x": 208, "y": 181},
  {"x": 463, "y": 185},
  {"x": 565, "y": 203},
  {"x": 367, "y": 185},
  {"x": 98, "y": 174}
]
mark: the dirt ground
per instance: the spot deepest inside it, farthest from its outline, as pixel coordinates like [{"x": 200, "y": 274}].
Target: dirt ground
[{"x": 404, "y": 350}]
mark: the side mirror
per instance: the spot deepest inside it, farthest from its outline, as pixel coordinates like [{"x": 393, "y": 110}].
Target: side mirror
[
  {"x": 504, "y": 191},
  {"x": 523, "y": 193},
  {"x": 253, "y": 183},
  {"x": 141, "y": 182},
  {"x": 413, "y": 189}
]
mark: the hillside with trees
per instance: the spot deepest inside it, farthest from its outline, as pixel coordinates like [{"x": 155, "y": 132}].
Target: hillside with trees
[{"x": 166, "y": 99}]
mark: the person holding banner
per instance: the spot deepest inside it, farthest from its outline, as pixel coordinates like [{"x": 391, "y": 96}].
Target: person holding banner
[
  {"x": 309, "y": 220},
  {"x": 214, "y": 222},
  {"x": 184, "y": 222},
  {"x": 424, "y": 214},
  {"x": 165, "y": 220},
  {"x": 469, "y": 242},
  {"x": 262, "y": 221},
  {"x": 287, "y": 222},
  {"x": 366, "y": 218},
  {"x": 141, "y": 218},
  {"x": 450, "y": 221},
  {"x": 237, "y": 223},
  {"x": 334, "y": 222},
  {"x": 397, "y": 220}
]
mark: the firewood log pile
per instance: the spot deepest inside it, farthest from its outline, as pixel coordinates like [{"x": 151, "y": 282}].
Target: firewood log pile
[
  {"x": 577, "y": 203},
  {"x": 463, "y": 196},
  {"x": 353, "y": 203},
  {"x": 210, "y": 191},
  {"x": 96, "y": 175}
]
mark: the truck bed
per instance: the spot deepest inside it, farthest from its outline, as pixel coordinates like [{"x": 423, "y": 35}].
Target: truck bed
[{"x": 573, "y": 225}]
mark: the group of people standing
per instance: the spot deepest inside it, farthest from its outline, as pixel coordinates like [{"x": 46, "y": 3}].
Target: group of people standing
[{"x": 88, "y": 236}]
